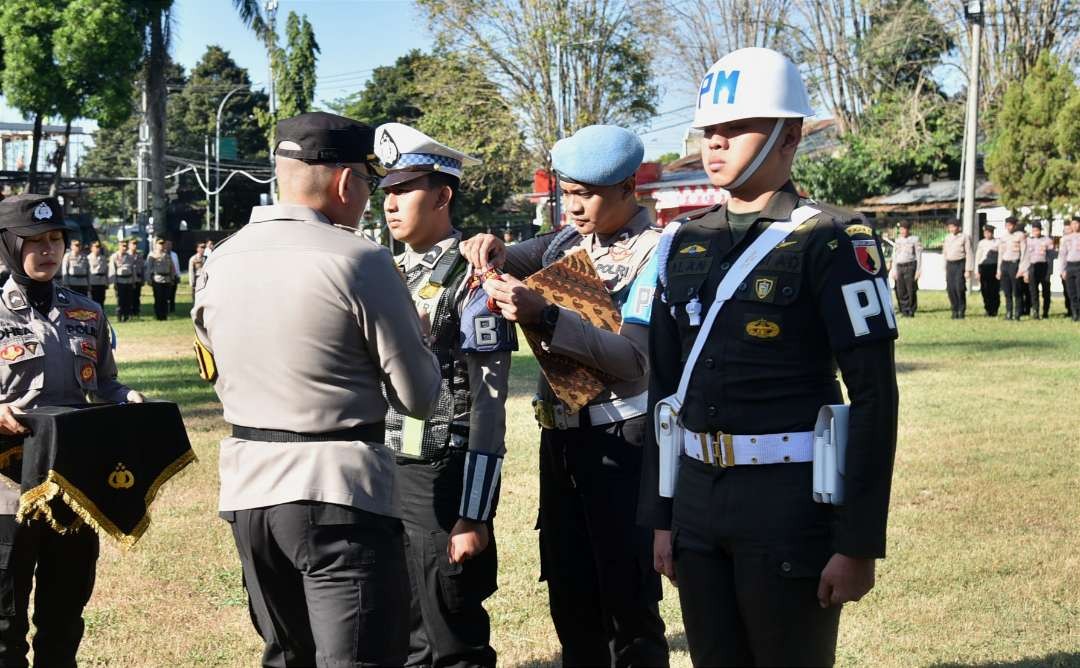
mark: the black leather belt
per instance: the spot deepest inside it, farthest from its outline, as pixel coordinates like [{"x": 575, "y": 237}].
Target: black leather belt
[{"x": 361, "y": 432}]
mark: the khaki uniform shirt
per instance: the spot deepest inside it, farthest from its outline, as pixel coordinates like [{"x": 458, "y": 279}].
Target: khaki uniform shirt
[
  {"x": 907, "y": 250},
  {"x": 195, "y": 267},
  {"x": 1037, "y": 250},
  {"x": 958, "y": 247},
  {"x": 1013, "y": 248},
  {"x": 159, "y": 268},
  {"x": 308, "y": 351},
  {"x": 99, "y": 268},
  {"x": 140, "y": 267},
  {"x": 1069, "y": 249},
  {"x": 75, "y": 269},
  {"x": 983, "y": 250},
  {"x": 52, "y": 361},
  {"x": 489, "y": 375},
  {"x": 618, "y": 260},
  {"x": 122, "y": 268}
]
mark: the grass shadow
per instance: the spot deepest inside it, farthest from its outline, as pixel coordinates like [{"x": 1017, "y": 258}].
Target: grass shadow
[
  {"x": 985, "y": 346},
  {"x": 1055, "y": 660},
  {"x": 676, "y": 643}
]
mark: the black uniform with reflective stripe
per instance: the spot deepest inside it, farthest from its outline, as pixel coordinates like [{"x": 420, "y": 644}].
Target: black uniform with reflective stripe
[{"x": 815, "y": 303}]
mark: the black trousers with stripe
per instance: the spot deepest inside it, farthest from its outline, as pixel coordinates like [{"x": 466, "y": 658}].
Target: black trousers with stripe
[
  {"x": 596, "y": 560},
  {"x": 448, "y": 625}
]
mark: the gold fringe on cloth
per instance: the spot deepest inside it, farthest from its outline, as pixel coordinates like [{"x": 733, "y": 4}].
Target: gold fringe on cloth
[{"x": 34, "y": 504}]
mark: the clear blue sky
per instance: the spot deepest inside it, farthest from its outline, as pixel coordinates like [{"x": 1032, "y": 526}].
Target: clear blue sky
[{"x": 355, "y": 37}]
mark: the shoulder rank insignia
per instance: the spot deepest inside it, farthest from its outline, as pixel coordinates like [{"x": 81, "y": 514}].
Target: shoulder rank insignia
[{"x": 205, "y": 358}]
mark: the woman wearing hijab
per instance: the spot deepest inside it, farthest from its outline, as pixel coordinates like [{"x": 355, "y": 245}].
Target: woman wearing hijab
[{"x": 54, "y": 350}]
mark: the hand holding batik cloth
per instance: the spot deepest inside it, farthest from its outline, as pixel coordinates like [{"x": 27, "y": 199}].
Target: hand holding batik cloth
[{"x": 101, "y": 465}]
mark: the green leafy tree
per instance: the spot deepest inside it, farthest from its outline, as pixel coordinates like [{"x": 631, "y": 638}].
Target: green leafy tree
[
  {"x": 464, "y": 109},
  {"x": 31, "y": 78},
  {"x": 1034, "y": 155},
  {"x": 192, "y": 113},
  {"x": 390, "y": 96},
  {"x": 294, "y": 73},
  {"x": 668, "y": 158},
  {"x": 97, "y": 49}
]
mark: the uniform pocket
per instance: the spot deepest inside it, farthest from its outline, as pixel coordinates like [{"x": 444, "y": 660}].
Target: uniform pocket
[
  {"x": 800, "y": 561},
  {"x": 466, "y": 583},
  {"x": 764, "y": 287}
]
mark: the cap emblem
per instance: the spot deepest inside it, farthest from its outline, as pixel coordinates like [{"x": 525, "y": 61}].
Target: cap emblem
[
  {"x": 43, "y": 212},
  {"x": 386, "y": 150}
]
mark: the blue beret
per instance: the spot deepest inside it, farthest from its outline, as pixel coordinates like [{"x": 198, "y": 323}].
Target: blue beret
[{"x": 599, "y": 155}]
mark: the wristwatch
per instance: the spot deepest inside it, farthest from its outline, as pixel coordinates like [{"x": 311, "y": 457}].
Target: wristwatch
[{"x": 549, "y": 317}]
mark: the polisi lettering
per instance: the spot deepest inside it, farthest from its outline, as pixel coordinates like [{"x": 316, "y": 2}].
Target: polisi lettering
[
  {"x": 718, "y": 82},
  {"x": 85, "y": 330}
]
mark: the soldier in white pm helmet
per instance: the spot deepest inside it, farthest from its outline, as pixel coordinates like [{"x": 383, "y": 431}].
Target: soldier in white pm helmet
[{"x": 758, "y": 302}]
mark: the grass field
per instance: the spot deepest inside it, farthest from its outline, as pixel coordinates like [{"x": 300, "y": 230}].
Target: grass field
[{"x": 984, "y": 561}]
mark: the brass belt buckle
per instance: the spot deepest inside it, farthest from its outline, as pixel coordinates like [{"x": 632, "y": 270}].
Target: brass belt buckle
[{"x": 723, "y": 449}]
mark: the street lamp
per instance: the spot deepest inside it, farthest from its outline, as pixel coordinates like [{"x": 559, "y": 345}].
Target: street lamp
[
  {"x": 217, "y": 155},
  {"x": 973, "y": 11}
]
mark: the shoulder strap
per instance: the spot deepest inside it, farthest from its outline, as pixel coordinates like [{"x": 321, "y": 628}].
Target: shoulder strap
[
  {"x": 557, "y": 241},
  {"x": 663, "y": 252},
  {"x": 762, "y": 246}
]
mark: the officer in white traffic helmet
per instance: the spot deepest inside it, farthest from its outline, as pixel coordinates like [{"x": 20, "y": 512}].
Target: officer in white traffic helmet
[
  {"x": 759, "y": 301},
  {"x": 448, "y": 466}
]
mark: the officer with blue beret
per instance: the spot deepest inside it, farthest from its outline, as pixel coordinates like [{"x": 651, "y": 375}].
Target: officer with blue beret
[
  {"x": 602, "y": 590},
  {"x": 449, "y": 465}
]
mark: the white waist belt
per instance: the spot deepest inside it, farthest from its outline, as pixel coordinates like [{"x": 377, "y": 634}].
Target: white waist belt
[
  {"x": 724, "y": 450},
  {"x": 618, "y": 410}
]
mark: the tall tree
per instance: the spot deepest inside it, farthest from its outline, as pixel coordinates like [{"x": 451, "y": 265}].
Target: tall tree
[
  {"x": 155, "y": 19},
  {"x": 97, "y": 49},
  {"x": 1034, "y": 156},
  {"x": 1015, "y": 34},
  {"x": 700, "y": 32},
  {"x": 576, "y": 62},
  {"x": 464, "y": 109},
  {"x": 294, "y": 73},
  {"x": 31, "y": 78},
  {"x": 390, "y": 94}
]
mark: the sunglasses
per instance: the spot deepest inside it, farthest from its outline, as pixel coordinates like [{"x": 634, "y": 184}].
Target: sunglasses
[{"x": 372, "y": 180}]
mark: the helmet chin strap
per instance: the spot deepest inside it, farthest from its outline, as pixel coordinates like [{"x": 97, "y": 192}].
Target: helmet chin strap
[{"x": 759, "y": 158}]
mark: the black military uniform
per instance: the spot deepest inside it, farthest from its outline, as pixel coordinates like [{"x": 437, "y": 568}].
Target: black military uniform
[
  {"x": 986, "y": 258},
  {"x": 749, "y": 543}
]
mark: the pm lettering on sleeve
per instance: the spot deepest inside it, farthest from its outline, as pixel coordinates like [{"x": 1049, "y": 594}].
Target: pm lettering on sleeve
[{"x": 864, "y": 300}]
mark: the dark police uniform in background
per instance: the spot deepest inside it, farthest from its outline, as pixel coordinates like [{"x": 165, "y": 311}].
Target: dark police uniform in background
[
  {"x": 597, "y": 562},
  {"x": 55, "y": 350},
  {"x": 749, "y": 543},
  {"x": 986, "y": 258},
  {"x": 449, "y": 466},
  {"x": 307, "y": 484}
]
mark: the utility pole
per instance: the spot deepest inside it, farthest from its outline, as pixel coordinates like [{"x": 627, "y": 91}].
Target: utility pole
[
  {"x": 206, "y": 175},
  {"x": 142, "y": 187},
  {"x": 973, "y": 11},
  {"x": 271, "y": 16}
]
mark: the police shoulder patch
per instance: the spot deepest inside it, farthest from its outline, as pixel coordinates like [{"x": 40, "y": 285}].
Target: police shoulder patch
[{"x": 637, "y": 309}]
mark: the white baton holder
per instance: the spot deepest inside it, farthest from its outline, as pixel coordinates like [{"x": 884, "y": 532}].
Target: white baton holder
[
  {"x": 669, "y": 438},
  {"x": 830, "y": 448},
  {"x": 666, "y": 414}
]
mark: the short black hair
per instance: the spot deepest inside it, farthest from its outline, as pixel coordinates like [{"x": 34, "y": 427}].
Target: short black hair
[{"x": 440, "y": 179}]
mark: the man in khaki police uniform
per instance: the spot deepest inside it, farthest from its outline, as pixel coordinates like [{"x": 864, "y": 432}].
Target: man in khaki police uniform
[
  {"x": 139, "y": 275},
  {"x": 122, "y": 273},
  {"x": 300, "y": 359},
  {"x": 75, "y": 269},
  {"x": 595, "y": 559},
  {"x": 762, "y": 569},
  {"x": 195, "y": 267},
  {"x": 907, "y": 269},
  {"x": 99, "y": 273},
  {"x": 959, "y": 261},
  {"x": 1069, "y": 266},
  {"x": 449, "y": 465},
  {"x": 1011, "y": 253},
  {"x": 1036, "y": 270}
]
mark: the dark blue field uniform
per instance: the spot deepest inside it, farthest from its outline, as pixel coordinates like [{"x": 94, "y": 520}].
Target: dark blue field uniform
[{"x": 749, "y": 542}]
